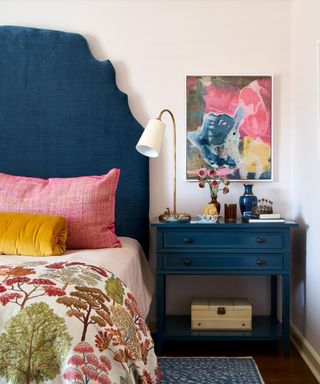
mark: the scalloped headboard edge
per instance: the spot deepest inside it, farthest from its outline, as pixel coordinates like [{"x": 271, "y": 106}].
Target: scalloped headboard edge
[{"x": 62, "y": 115}]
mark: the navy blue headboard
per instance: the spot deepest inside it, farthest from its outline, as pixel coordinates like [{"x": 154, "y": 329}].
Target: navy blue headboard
[{"x": 62, "y": 115}]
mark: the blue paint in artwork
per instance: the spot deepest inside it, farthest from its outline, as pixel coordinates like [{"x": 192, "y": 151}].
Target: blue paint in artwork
[
  {"x": 265, "y": 175},
  {"x": 251, "y": 175},
  {"x": 218, "y": 138}
]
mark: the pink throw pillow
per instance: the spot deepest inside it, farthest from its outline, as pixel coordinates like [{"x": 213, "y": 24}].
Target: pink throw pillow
[{"x": 87, "y": 203}]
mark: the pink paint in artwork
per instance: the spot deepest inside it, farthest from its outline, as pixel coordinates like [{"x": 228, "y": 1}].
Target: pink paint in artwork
[
  {"x": 191, "y": 83},
  {"x": 224, "y": 171},
  {"x": 220, "y": 100},
  {"x": 255, "y": 99}
]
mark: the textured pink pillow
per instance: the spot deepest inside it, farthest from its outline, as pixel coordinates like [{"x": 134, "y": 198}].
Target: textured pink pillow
[{"x": 87, "y": 203}]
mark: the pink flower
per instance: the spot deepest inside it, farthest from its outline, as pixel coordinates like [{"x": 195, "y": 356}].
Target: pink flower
[
  {"x": 214, "y": 183},
  {"x": 202, "y": 172},
  {"x": 214, "y": 179},
  {"x": 83, "y": 347}
]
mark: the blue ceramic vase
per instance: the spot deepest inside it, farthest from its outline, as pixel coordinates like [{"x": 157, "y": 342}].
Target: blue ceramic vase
[{"x": 247, "y": 200}]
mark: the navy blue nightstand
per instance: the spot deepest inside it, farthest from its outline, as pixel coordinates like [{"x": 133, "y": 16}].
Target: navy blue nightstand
[{"x": 224, "y": 249}]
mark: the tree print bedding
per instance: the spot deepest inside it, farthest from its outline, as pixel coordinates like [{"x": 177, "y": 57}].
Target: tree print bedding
[{"x": 71, "y": 322}]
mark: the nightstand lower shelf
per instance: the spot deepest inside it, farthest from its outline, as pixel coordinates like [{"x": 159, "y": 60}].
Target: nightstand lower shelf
[{"x": 263, "y": 328}]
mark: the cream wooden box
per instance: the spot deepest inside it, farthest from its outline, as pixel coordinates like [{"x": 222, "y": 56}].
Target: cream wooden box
[{"x": 221, "y": 313}]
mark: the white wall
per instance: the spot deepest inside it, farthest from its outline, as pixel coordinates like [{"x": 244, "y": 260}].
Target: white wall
[
  {"x": 152, "y": 45},
  {"x": 306, "y": 168}
]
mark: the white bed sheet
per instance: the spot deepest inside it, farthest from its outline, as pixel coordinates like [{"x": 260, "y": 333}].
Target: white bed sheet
[{"x": 128, "y": 263}]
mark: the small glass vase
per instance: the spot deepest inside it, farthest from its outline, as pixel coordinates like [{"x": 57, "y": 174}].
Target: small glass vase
[{"x": 247, "y": 200}]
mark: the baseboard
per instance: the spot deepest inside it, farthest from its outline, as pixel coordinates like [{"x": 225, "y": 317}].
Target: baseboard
[{"x": 307, "y": 352}]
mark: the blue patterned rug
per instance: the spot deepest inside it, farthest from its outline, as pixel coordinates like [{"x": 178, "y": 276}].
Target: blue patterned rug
[{"x": 209, "y": 370}]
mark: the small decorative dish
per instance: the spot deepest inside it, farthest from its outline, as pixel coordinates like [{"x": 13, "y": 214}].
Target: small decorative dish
[
  {"x": 206, "y": 219},
  {"x": 172, "y": 217}
]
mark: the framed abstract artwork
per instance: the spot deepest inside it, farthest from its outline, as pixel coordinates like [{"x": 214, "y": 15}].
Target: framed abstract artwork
[{"x": 229, "y": 125}]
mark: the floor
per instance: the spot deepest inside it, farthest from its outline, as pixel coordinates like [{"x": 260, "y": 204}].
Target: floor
[{"x": 273, "y": 366}]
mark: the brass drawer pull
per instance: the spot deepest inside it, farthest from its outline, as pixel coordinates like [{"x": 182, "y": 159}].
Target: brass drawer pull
[
  {"x": 221, "y": 311},
  {"x": 260, "y": 262},
  {"x": 187, "y": 262},
  {"x": 187, "y": 240}
]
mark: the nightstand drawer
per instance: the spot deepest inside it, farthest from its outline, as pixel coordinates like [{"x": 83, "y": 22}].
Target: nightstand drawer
[
  {"x": 224, "y": 261},
  {"x": 222, "y": 239}
]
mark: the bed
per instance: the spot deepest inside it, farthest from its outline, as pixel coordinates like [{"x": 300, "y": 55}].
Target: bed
[{"x": 78, "y": 317}]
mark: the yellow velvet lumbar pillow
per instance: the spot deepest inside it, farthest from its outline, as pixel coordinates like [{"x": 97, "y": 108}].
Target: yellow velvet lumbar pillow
[{"x": 32, "y": 234}]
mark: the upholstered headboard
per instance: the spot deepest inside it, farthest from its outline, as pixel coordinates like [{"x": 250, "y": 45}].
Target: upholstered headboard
[{"x": 62, "y": 115}]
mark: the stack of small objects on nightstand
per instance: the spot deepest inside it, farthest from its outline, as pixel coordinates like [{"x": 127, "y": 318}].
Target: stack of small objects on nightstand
[{"x": 263, "y": 213}]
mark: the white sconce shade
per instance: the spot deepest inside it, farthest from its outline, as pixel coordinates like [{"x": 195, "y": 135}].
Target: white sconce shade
[{"x": 151, "y": 140}]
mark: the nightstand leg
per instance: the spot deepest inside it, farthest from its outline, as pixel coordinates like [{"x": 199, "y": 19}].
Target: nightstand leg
[
  {"x": 274, "y": 297},
  {"x": 161, "y": 311},
  {"x": 286, "y": 314}
]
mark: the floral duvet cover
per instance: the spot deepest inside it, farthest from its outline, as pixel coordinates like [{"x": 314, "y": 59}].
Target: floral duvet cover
[{"x": 71, "y": 322}]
